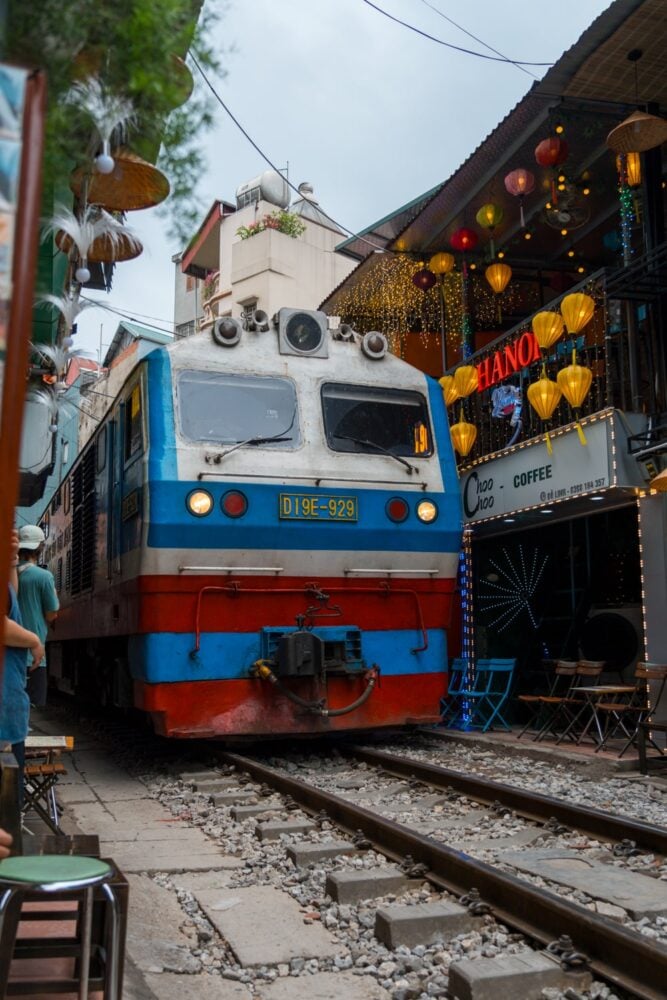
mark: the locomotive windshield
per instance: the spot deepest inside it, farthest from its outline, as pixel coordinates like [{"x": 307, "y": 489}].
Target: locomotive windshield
[
  {"x": 238, "y": 409},
  {"x": 371, "y": 419}
]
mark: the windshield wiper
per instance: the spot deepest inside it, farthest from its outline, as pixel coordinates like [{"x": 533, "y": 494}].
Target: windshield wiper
[
  {"x": 280, "y": 436},
  {"x": 378, "y": 447}
]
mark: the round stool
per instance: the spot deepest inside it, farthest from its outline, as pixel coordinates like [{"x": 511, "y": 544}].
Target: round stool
[{"x": 56, "y": 873}]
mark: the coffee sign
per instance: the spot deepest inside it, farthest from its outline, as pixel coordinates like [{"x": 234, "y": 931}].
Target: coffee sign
[{"x": 530, "y": 476}]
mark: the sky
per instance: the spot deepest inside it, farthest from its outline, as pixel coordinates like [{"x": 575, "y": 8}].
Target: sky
[{"x": 369, "y": 112}]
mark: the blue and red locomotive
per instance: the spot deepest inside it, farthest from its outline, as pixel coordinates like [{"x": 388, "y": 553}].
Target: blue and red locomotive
[{"x": 262, "y": 536}]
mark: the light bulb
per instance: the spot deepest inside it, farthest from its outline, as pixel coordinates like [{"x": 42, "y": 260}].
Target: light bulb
[
  {"x": 104, "y": 164},
  {"x": 559, "y": 129},
  {"x": 586, "y": 191},
  {"x": 501, "y": 254},
  {"x": 82, "y": 274},
  {"x": 548, "y": 205},
  {"x": 53, "y": 428},
  {"x": 570, "y": 253},
  {"x": 527, "y": 236},
  {"x": 67, "y": 342},
  {"x": 563, "y": 232}
]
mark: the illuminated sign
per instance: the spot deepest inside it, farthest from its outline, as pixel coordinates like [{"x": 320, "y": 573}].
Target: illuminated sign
[{"x": 512, "y": 358}]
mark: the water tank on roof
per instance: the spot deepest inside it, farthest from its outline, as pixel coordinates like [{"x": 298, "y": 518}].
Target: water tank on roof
[{"x": 269, "y": 186}]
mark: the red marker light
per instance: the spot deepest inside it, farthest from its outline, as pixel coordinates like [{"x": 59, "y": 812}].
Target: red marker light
[{"x": 234, "y": 503}]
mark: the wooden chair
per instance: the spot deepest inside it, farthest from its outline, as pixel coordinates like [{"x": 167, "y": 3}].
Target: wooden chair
[
  {"x": 549, "y": 704},
  {"x": 637, "y": 710},
  {"x": 532, "y": 701}
]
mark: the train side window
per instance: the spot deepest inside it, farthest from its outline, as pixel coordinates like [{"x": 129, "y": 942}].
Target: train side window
[
  {"x": 68, "y": 571},
  {"x": 375, "y": 419},
  {"x": 133, "y": 423},
  {"x": 101, "y": 449},
  {"x": 67, "y": 496},
  {"x": 59, "y": 575}
]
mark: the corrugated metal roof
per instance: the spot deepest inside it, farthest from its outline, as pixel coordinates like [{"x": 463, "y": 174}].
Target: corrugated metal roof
[{"x": 381, "y": 233}]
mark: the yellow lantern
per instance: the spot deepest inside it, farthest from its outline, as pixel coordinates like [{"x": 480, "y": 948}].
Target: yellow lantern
[
  {"x": 574, "y": 382},
  {"x": 577, "y": 310},
  {"x": 633, "y": 168},
  {"x": 464, "y": 435},
  {"x": 547, "y": 327},
  {"x": 498, "y": 276},
  {"x": 466, "y": 380},
  {"x": 544, "y": 396},
  {"x": 488, "y": 217},
  {"x": 441, "y": 263},
  {"x": 449, "y": 390}
]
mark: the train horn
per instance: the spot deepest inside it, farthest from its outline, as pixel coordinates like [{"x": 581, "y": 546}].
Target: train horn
[
  {"x": 258, "y": 321},
  {"x": 344, "y": 332},
  {"x": 374, "y": 345}
]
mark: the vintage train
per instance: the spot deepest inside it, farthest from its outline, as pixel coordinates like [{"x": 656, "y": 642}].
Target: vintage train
[{"x": 261, "y": 538}]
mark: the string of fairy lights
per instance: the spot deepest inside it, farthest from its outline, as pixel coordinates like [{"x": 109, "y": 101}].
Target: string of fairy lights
[{"x": 386, "y": 298}]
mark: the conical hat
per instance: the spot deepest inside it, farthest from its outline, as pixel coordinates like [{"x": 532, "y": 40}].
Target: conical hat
[
  {"x": 133, "y": 184},
  {"x": 102, "y": 250},
  {"x": 638, "y": 133}
]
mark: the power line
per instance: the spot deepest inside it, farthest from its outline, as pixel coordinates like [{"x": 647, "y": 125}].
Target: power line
[
  {"x": 132, "y": 319},
  {"x": 449, "y": 45},
  {"x": 480, "y": 40},
  {"x": 252, "y": 142}
]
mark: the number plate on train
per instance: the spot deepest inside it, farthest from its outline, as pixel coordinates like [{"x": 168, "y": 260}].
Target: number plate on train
[{"x": 305, "y": 507}]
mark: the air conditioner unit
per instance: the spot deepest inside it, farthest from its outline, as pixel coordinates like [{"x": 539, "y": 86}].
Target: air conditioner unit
[{"x": 615, "y": 635}]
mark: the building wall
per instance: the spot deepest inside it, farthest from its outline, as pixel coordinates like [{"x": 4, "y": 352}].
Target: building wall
[{"x": 188, "y": 307}]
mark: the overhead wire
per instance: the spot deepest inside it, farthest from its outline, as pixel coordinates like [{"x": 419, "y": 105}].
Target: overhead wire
[
  {"x": 450, "y": 45},
  {"x": 476, "y": 39}
]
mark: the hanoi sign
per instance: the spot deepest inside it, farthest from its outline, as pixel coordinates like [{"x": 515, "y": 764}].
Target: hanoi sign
[
  {"x": 530, "y": 476},
  {"x": 518, "y": 354}
]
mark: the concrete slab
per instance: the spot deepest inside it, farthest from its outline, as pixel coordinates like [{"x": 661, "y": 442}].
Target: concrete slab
[
  {"x": 157, "y": 856},
  {"x": 522, "y": 977},
  {"x": 263, "y": 925},
  {"x": 349, "y": 887},
  {"x": 218, "y": 879},
  {"x": 640, "y": 895},
  {"x": 241, "y": 813},
  {"x": 155, "y": 942},
  {"x": 422, "y": 924},
  {"x": 520, "y": 839},
  {"x": 303, "y": 854},
  {"x": 202, "y": 987},
  {"x": 275, "y": 830},
  {"x": 322, "y": 986}
]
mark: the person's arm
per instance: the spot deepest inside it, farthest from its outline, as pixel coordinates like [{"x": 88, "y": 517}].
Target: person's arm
[
  {"x": 19, "y": 637},
  {"x": 5, "y": 843},
  {"x": 14, "y": 560},
  {"x": 50, "y": 602},
  {"x": 50, "y": 616}
]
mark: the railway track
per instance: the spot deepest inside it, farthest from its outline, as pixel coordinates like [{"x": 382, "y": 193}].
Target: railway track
[{"x": 622, "y": 957}]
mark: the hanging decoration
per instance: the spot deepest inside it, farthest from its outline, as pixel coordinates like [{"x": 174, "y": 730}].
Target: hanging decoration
[
  {"x": 69, "y": 307},
  {"x": 424, "y": 279},
  {"x": 551, "y": 153},
  {"x": 571, "y": 211},
  {"x": 464, "y": 239},
  {"x": 519, "y": 183},
  {"x": 498, "y": 276},
  {"x": 449, "y": 390},
  {"x": 627, "y": 209},
  {"x": 111, "y": 115},
  {"x": 548, "y": 328},
  {"x": 513, "y": 589},
  {"x": 638, "y": 133},
  {"x": 466, "y": 380},
  {"x": 463, "y": 435},
  {"x": 544, "y": 396},
  {"x": 633, "y": 168},
  {"x": 574, "y": 382},
  {"x": 441, "y": 263},
  {"x": 489, "y": 217},
  {"x": 577, "y": 310},
  {"x": 94, "y": 224},
  {"x": 133, "y": 184}
]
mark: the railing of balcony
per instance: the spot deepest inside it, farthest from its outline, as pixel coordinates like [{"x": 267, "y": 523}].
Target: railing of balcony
[{"x": 510, "y": 363}]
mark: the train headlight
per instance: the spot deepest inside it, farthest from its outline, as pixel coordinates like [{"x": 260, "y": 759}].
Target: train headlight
[
  {"x": 427, "y": 511},
  {"x": 199, "y": 503}
]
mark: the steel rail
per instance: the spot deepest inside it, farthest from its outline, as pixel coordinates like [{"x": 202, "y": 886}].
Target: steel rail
[
  {"x": 532, "y": 805},
  {"x": 620, "y": 956}
]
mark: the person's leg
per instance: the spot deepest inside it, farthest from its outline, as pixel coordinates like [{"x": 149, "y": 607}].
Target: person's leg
[
  {"x": 37, "y": 687},
  {"x": 18, "y": 749}
]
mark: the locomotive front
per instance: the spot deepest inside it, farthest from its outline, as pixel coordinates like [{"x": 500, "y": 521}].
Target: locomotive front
[{"x": 303, "y": 532}]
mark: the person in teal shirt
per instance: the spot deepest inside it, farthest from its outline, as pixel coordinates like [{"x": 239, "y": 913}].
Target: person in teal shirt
[{"x": 38, "y": 602}]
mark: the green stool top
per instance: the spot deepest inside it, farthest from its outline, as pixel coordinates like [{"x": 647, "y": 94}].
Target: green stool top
[{"x": 42, "y": 869}]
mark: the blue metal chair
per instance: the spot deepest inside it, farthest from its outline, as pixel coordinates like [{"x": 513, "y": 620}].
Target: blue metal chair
[
  {"x": 499, "y": 677},
  {"x": 455, "y": 682},
  {"x": 470, "y": 696}
]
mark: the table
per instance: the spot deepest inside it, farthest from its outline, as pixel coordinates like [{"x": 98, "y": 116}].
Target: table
[
  {"x": 591, "y": 696},
  {"x": 43, "y": 769}
]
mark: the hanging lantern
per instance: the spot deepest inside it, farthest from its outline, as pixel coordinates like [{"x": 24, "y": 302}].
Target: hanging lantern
[
  {"x": 449, "y": 390},
  {"x": 551, "y": 153},
  {"x": 639, "y": 132},
  {"x": 464, "y": 239},
  {"x": 466, "y": 380},
  {"x": 544, "y": 396},
  {"x": 574, "y": 382},
  {"x": 520, "y": 182},
  {"x": 488, "y": 217},
  {"x": 498, "y": 276},
  {"x": 633, "y": 168},
  {"x": 424, "y": 279},
  {"x": 547, "y": 327},
  {"x": 133, "y": 184},
  {"x": 463, "y": 435},
  {"x": 577, "y": 310},
  {"x": 442, "y": 263}
]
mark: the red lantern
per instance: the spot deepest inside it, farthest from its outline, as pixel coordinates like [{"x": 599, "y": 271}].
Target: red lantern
[
  {"x": 519, "y": 183},
  {"x": 464, "y": 239},
  {"x": 551, "y": 153},
  {"x": 424, "y": 279}
]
